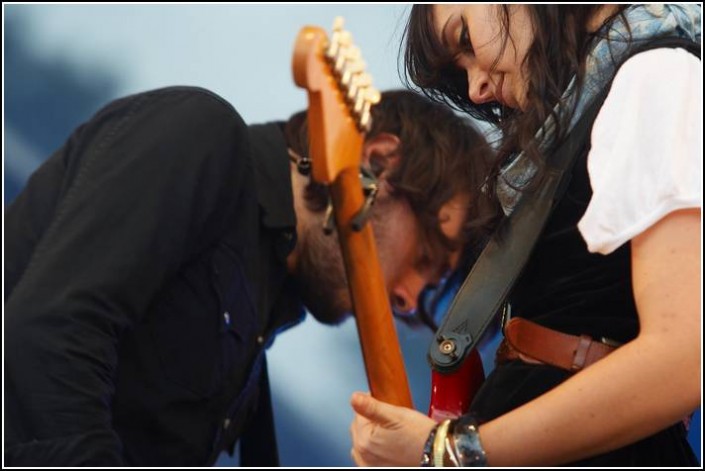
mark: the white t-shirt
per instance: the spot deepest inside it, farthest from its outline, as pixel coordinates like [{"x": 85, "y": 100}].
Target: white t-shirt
[{"x": 646, "y": 159}]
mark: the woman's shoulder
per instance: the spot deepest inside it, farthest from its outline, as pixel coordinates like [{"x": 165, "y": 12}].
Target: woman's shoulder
[
  {"x": 666, "y": 62},
  {"x": 645, "y": 159},
  {"x": 652, "y": 80}
]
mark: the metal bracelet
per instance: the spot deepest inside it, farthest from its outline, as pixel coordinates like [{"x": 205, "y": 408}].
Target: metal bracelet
[
  {"x": 466, "y": 447},
  {"x": 427, "y": 456},
  {"x": 439, "y": 444}
]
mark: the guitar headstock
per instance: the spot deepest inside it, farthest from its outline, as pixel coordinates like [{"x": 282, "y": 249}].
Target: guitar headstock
[{"x": 340, "y": 95}]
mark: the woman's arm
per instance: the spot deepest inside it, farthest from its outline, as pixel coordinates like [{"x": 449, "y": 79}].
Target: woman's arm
[{"x": 643, "y": 387}]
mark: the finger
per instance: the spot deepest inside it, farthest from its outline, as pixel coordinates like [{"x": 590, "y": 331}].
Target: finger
[
  {"x": 374, "y": 410},
  {"x": 356, "y": 431},
  {"x": 360, "y": 421},
  {"x": 357, "y": 458},
  {"x": 353, "y": 430},
  {"x": 357, "y": 428}
]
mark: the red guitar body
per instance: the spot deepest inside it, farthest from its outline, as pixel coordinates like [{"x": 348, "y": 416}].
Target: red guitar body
[{"x": 451, "y": 394}]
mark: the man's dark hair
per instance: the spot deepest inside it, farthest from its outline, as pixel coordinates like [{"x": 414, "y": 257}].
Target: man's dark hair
[{"x": 441, "y": 155}]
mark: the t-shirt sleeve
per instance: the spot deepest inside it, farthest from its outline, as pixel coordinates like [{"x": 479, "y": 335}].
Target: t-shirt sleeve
[{"x": 646, "y": 155}]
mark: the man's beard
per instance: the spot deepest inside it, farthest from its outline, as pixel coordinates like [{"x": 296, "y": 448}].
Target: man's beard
[
  {"x": 320, "y": 271},
  {"x": 321, "y": 279}
]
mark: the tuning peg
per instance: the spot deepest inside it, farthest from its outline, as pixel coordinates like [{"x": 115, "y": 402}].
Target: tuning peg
[
  {"x": 341, "y": 57},
  {"x": 334, "y": 46},
  {"x": 338, "y": 63},
  {"x": 345, "y": 38},
  {"x": 351, "y": 69},
  {"x": 373, "y": 95},
  {"x": 359, "y": 101},
  {"x": 359, "y": 79},
  {"x": 365, "y": 80},
  {"x": 353, "y": 53},
  {"x": 352, "y": 88},
  {"x": 362, "y": 81},
  {"x": 346, "y": 75},
  {"x": 365, "y": 121}
]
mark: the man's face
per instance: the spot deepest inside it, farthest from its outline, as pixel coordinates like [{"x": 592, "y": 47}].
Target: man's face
[{"x": 405, "y": 261}]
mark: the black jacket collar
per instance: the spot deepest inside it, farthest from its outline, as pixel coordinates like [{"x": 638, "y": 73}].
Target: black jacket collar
[{"x": 272, "y": 169}]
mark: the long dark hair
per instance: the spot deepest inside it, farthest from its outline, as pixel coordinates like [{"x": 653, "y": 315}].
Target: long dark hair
[{"x": 558, "y": 52}]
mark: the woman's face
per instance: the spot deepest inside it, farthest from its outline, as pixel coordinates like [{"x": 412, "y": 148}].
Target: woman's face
[{"x": 475, "y": 33}]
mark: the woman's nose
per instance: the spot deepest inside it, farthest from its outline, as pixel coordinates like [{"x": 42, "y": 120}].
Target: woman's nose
[{"x": 479, "y": 88}]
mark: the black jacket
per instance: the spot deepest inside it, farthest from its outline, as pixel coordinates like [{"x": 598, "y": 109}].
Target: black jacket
[{"x": 144, "y": 263}]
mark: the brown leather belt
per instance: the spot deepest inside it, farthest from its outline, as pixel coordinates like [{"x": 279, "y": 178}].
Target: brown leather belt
[{"x": 532, "y": 343}]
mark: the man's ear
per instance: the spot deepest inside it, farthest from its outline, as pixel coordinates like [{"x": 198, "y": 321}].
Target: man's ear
[{"x": 381, "y": 152}]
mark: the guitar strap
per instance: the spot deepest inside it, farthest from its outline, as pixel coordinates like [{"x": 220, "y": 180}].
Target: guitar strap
[{"x": 491, "y": 279}]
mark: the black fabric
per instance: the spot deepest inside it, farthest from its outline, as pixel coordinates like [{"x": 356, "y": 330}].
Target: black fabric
[
  {"x": 566, "y": 288},
  {"x": 259, "y": 443},
  {"x": 136, "y": 312}
]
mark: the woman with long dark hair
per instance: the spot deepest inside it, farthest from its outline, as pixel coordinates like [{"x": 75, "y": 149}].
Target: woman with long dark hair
[{"x": 608, "y": 364}]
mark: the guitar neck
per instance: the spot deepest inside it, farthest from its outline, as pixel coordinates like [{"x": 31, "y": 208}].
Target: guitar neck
[
  {"x": 384, "y": 362},
  {"x": 340, "y": 97}
]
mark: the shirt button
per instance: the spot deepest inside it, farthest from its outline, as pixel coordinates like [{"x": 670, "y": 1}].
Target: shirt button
[
  {"x": 260, "y": 340},
  {"x": 226, "y": 424},
  {"x": 226, "y": 317}
]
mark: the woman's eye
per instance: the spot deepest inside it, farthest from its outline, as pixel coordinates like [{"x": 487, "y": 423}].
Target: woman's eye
[{"x": 464, "y": 43}]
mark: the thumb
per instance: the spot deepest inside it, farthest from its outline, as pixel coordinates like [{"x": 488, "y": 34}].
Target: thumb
[{"x": 380, "y": 412}]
